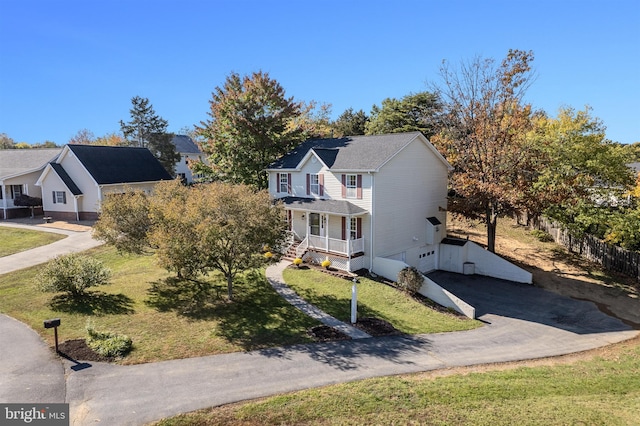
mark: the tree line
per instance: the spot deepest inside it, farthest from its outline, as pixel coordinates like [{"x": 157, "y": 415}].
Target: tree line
[{"x": 508, "y": 157}]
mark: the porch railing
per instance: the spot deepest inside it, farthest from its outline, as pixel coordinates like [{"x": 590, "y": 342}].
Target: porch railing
[{"x": 334, "y": 245}]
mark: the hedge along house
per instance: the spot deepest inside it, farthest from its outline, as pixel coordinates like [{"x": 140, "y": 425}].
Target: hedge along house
[
  {"x": 19, "y": 172},
  {"x": 353, "y": 199},
  {"x": 74, "y": 185}
]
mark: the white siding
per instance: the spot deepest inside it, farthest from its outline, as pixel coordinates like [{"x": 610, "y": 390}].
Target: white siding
[{"x": 409, "y": 188}]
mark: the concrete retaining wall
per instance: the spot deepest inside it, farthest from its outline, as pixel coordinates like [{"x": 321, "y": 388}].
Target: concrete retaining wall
[
  {"x": 470, "y": 256},
  {"x": 389, "y": 269}
]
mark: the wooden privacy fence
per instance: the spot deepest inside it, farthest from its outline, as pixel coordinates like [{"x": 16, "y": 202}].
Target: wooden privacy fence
[{"x": 611, "y": 257}]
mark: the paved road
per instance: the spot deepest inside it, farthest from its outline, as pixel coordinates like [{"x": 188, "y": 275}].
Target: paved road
[{"x": 134, "y": 395}]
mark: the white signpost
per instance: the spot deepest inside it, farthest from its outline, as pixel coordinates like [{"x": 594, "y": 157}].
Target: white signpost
[{"x": 354, "y": 302}]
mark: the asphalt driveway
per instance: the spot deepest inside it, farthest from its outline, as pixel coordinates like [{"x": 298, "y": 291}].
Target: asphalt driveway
[{"x": 491, "y": 296}]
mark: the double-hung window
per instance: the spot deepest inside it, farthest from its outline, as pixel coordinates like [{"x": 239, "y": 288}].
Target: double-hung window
[
  {"x": 314, "y": 184},
  {"x": 353, "y": 228},
  {"x": 59, "y": 197},
  {"x": 16, "y": 191},
  {"x": 352, "y": 186},
  {"x": 283, "y": 182}
]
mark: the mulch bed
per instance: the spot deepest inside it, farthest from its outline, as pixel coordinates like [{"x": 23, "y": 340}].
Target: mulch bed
[
  {"x": 78, "y": 350},
  {"x": 376, "y": 327}
]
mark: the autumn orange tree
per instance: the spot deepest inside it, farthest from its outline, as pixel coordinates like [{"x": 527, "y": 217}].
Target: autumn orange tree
[
  {"x": 195, "y": 230},
  {"x": 485, "y": 121}
]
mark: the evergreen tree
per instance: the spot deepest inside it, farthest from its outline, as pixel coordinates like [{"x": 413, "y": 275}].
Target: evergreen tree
[{"x": 148, "y": 130}]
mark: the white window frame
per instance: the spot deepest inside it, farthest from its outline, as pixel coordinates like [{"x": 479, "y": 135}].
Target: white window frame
[
  {"x": 284, "y": 180},
  {"x": 353, "y": 228},
  {"x": 16, "y": 190},
  {"x": 314, "y": 184},
  {"x": 351, "y": 186},
  {"x": 60, "y": 197}
]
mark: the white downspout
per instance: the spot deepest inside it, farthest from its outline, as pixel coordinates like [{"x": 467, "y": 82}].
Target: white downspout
[
  {"x": 371, "y": 226},
  {"x": 75, "y": 207}
]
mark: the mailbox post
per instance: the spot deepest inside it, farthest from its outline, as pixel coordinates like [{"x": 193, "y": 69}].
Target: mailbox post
[{"x": 53, "y": 323}]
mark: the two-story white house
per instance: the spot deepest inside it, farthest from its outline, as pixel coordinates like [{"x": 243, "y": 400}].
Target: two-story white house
[{"x": 353, "y": 199}]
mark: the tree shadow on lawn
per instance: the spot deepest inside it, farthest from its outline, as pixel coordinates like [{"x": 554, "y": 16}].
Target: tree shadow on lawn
[
  {"x": 93, "y": 303},
  {"x": 256, "y": 318},
  {"x": 186, "y": 297}
]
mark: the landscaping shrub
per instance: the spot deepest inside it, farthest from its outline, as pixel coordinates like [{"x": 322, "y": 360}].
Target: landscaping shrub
[
  {"x": 542, "y": 236},
  {"x": 410, "y": 280},
  {"x": 108, "y": 344},
  {"x": 73, "y": 274}
]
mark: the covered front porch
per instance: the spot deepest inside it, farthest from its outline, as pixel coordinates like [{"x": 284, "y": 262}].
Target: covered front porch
[{"x": 327, "y": 229}]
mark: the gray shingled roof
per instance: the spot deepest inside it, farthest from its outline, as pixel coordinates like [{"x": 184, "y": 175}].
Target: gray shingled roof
[
  {"x": 184, "y": 145},
  {"x": 66, "y": 178},
  {"x": 357, "y": 153},
  {"x": 119, "y": 164},
  {"x": 17, "y": 161},
  {"x": 339, "y": 207}
]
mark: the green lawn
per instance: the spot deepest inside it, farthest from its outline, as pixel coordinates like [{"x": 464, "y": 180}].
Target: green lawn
[
  {"x": 15, "y": 240},
  {"x": 601, "y": 391},
  {"x": 169, "y": 319},
  {"x": 165, "y": 319},
  {"x": 333, "y": 295}
]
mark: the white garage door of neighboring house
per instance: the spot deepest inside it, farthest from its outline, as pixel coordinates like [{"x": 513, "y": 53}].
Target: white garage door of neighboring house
[{"x": 427, "y": 259}]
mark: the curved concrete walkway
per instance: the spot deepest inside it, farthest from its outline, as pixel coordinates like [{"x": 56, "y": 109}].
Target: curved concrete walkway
[
  {"x": 274, "y": 275},
  {"x": 138, "y": 394},
  {"x": 76, "y": 241}
]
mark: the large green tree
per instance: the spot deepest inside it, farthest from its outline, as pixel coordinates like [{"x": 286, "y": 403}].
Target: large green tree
[
  {"x": 583, "y": 176},
  {"x": 194, "y": 230},
  {"x": 417, "y": 111},
  {"x": 483, "y": 136},
  {"x": 350, "y": 123},
  {"x": 251, "y": 124},
  {"x": 148, "y": 130}
]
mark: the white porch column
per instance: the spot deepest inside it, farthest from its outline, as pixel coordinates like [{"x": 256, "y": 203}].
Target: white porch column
[
  {"x": 348, "y": 236},
  {"x": 325, "y": 224},
  {"x": 4, "y": 200}
]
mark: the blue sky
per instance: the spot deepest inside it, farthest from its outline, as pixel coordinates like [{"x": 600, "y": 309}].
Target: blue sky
[{"x": 66, "y": 65}]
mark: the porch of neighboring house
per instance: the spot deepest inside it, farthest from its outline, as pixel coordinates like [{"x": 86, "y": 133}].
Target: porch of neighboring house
[
  {"x": 8, "y": 209},
  {"x": 326, "y": 229}
]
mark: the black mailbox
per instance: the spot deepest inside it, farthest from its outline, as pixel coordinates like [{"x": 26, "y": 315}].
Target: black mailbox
[{"x": 52, "y": 323}]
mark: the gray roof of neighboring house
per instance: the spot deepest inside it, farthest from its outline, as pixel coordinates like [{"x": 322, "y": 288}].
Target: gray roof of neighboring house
[
  {"x": 17, "y": 161},
  {"x": 120, "y": 164},
  {"x": 634, "y": 166},
  {"x": 185, "y": 145},
  {"x": 66, "y": 178},
  {"x": 340, "y": 207},
  {"x": 349, "y": 153}
]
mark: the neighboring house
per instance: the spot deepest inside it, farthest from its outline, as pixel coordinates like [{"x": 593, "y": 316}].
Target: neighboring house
[
  {"x": 354, "y": 199},
  {"x": 189, "y": 152},
  {"x": 635, "y": 167},
  {"x": 19, "y": 172},
  {"x": 74, "y": 184}
]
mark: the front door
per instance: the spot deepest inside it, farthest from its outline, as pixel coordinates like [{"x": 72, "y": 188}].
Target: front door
[{"x": 316, "y": 224}]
